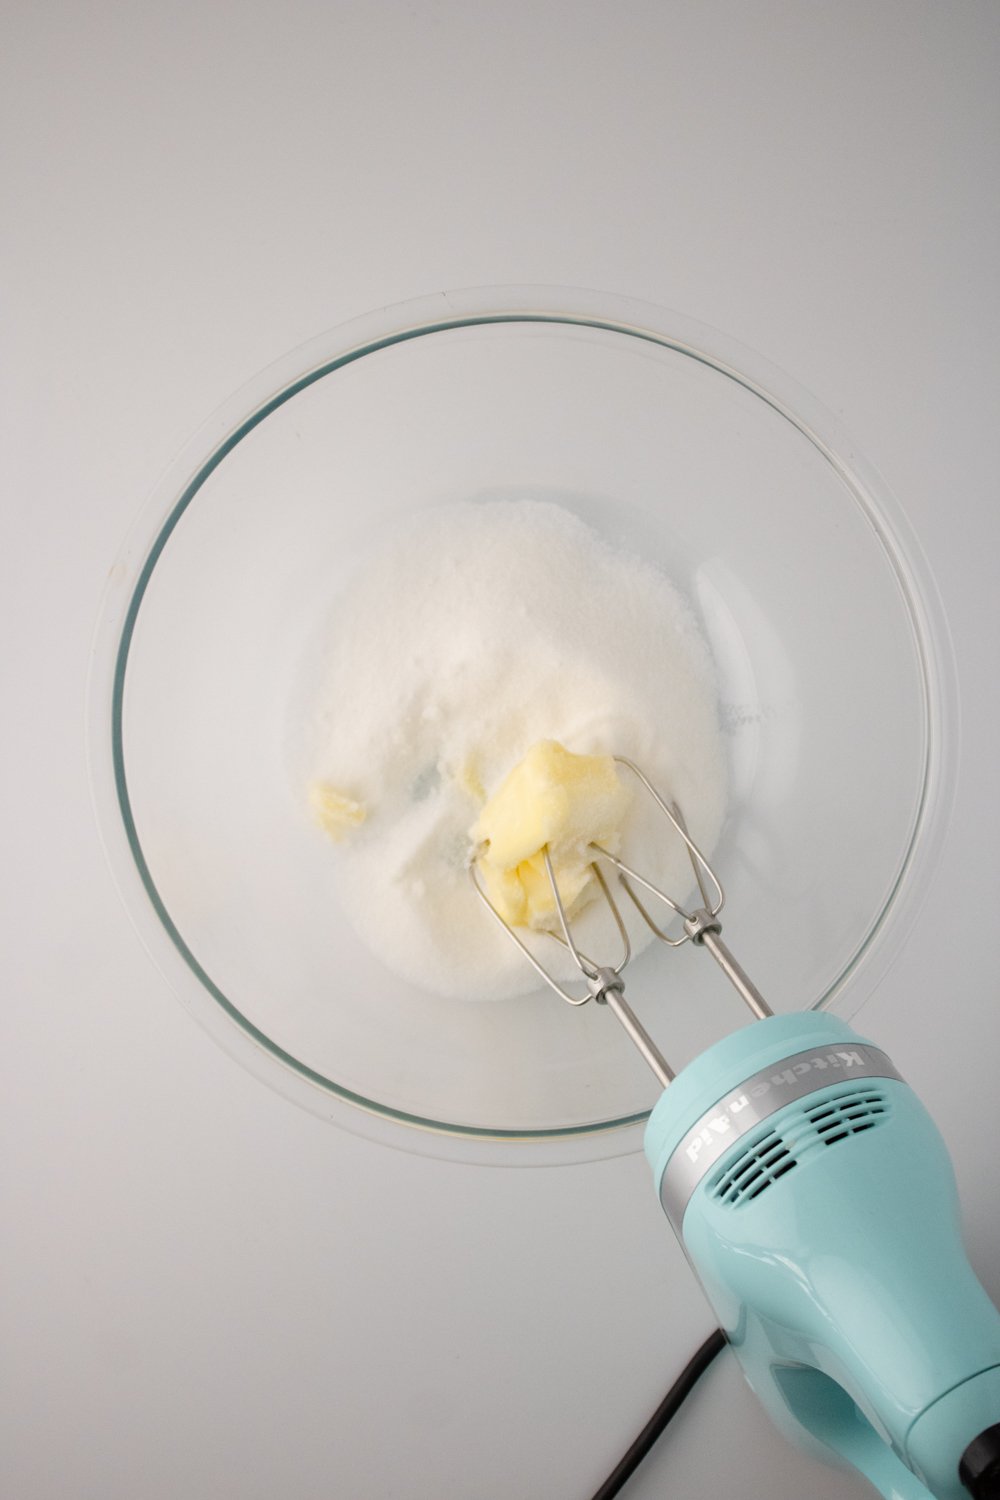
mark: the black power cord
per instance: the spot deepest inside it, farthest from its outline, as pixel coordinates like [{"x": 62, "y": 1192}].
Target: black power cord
[{"x": 668, "y": 1407}]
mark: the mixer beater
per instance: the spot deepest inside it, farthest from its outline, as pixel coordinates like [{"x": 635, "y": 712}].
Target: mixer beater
[
  {"x": 701, "y": 927},
  {"x": 816, "y": 1201}
]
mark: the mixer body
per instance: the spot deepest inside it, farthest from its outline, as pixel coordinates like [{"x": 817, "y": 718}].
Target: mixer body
[{"x": 816, "y": 1201}]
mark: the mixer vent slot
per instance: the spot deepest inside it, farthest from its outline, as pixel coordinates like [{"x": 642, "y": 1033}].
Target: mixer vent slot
[
  {"x": 766, "y": 1161},
  {"x": 809, "y": 1130},
  {"x": 848, "y": 1114}
]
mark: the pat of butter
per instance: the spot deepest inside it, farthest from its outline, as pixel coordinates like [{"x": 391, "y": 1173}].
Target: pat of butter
[
  {"x": 468, "y": 780},
  {"x": 335, "y": 813},
  {"x": 552, "y": 800}
]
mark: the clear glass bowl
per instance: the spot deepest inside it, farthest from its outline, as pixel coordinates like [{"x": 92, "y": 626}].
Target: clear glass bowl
[{"x": 836, "y": 692}]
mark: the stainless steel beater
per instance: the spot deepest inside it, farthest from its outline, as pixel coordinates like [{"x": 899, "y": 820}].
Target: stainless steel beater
[{"x": 701, "y": 927}]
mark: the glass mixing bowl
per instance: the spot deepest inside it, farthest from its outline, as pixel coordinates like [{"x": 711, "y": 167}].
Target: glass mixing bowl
[{"x": 833, "y": 665}]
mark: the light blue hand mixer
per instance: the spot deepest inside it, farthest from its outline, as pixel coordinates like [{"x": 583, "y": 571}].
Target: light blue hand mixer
[{"x": 816, "y": 1201}]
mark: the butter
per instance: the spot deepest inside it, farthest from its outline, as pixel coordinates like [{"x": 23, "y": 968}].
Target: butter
[
  {"x": 552, "y": 800},
  {"x": 468, "y": 779},
  {"x": 335, "y": 813}
]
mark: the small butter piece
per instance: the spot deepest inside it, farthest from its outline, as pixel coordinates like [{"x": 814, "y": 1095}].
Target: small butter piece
[
  {"x": 334, "y": 812},
  {"x": 468, "y": 780},
  {"x": 552, "y": 800}
]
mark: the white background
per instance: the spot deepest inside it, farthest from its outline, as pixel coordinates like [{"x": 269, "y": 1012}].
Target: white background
[{"x": 206, "y": 1292}]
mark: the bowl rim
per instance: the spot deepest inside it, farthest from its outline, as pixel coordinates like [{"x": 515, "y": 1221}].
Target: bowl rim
[{"x": 250, "y": 405}]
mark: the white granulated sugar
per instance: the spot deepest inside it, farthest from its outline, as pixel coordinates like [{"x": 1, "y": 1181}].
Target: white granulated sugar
[{"x": 485, "y": 627}]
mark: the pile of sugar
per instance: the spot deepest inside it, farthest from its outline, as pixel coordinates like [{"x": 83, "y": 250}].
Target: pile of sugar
[{"x": 485, "y": 627}]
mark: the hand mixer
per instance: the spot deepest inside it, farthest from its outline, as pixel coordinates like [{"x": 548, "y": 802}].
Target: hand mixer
[{"x": 816, "y": 1201}]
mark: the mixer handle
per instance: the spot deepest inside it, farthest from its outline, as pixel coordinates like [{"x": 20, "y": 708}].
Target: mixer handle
[{"x": 817, "y": 1404}]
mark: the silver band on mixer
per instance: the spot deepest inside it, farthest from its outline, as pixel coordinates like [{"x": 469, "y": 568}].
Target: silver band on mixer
[{"x": 753, "y": 1101}]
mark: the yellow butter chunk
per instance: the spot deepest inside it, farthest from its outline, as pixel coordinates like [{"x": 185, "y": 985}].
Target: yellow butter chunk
[
  {"x": 468, "y": 780},
  {"x": 552, "y": 800},
  {"x": 334, "y": 812}
]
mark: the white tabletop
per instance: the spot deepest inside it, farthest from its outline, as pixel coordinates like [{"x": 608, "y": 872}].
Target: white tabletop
[{"x": 207, "y": 1292}]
